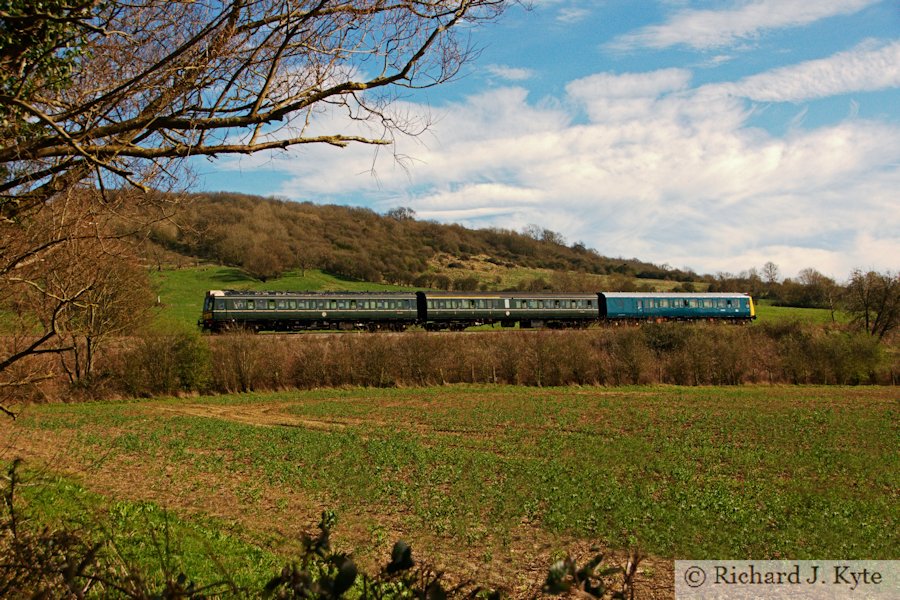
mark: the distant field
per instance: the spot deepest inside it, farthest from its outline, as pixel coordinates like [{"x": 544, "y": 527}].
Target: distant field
[
  {"x": 507, "y": 477},
  {"x": 766, "y": 312},
  {"x": 181, "y": 293}
]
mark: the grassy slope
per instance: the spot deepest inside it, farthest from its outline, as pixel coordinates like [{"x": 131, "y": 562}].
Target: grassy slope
[
  {"x": 799, "y": 472},
  {"x": 181, "y": 292}
]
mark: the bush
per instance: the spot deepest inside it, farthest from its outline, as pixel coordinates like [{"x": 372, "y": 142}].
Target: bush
[{"x": 163, "y": 364}]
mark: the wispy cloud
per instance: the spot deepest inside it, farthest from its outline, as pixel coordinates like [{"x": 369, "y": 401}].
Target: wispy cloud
[
  {"x": 868, "y": 67},
  {"x": 572, "y": 14},
  {"x": 709, "y": 29},
  {"x": 509, "y": 73}
]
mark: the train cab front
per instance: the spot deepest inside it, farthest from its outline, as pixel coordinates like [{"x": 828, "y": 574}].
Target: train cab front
[{"x": 208, "y": 321}]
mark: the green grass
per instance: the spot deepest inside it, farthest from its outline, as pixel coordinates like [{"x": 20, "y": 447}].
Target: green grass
[
  {"x": 147, "y": 539},
  {"x": 181, "y": 291},
  {"x": 683, "y": 472},
  {"x": 766, "y": 312}
]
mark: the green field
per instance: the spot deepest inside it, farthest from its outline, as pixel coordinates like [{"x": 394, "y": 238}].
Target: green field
[
  {"x": 487, "y": 481},
  {"x": 766, "y": 312},
  {"x": 181, "y": 292}
]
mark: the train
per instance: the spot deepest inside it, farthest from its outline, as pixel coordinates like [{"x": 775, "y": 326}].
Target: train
[{"x": 225, "y": 310}]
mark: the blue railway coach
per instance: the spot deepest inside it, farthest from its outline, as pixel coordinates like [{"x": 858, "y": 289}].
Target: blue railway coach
[{"x": 676, "y": 307}]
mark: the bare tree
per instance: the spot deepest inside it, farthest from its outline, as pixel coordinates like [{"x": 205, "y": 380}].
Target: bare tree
[
  {"x": 100, "y": 96},
  {"x": 117, "y": 301},
  {"x": 770, "y": 273},
  {"x": 874, "y": 300},
  {"x": 155, "y": 80}
]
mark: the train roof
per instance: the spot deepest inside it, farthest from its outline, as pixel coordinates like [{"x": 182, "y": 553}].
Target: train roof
[
  {"x": 542, "y": 295},
  {"x": 675, "y": 294},
  {"x": 267, "y": 294}
]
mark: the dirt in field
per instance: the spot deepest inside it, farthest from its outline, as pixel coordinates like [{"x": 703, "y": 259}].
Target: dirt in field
[{"x": 518, "y": 563}]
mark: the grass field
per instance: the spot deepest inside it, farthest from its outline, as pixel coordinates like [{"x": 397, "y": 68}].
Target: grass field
[
  {"x": 490, "y": 483},
  {"x": 181, "y": 293},
  {"x": 766, "y": 312}
]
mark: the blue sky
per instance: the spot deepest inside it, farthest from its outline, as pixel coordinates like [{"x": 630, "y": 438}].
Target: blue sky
[{"x": 710, "y": 135}]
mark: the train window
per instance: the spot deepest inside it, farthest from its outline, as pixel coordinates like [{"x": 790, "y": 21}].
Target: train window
[
  {"x": 664, "y": 304},
  {"x": 590, "y": 303},
  {"x": 693, "y": 303},
  {"x": 639, "y": 304},
  {"x": 220, "y": 305},
  {"x": 353, "y": 305},
  {"x": 707, "y": 303},
  {"x": 430, "y": 303},
  {"x": 292, "y": 304},
  {"x": 379, "y": 304},
  {"x": 271, "y": 305},
  {"x": 392, "y": 304},
  {"x": 686, "y": 303},
  {"x": 282, "y": 304},
  {"x": 728, "y": 303}
]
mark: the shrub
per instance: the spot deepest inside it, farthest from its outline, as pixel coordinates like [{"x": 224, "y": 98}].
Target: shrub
[{"x": 163, "y": 364}]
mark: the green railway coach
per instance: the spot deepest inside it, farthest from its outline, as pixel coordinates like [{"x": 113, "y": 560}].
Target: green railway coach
[
  {"x": 294, "y": 311},
  {"x": 458, "y": 310}
]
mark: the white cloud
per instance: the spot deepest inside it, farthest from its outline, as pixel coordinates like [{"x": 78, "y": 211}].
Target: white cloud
[
  {"x": 704, "y": 29},
  {"x": 642, "y": 165},
  {"x": 509, "y": 73},
  {"x": 572, "y": 14},
  {"x": 865, "y": 68}
]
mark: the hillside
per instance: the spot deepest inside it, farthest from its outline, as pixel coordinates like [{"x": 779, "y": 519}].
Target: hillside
[{"x": 267, "y": 237}]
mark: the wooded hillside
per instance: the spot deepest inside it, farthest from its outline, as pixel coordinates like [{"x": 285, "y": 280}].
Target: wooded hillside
[{"x": 266, "y": 237}]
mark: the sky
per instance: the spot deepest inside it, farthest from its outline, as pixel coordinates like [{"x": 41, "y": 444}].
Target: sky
[{"x": 712, "y": 136}]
